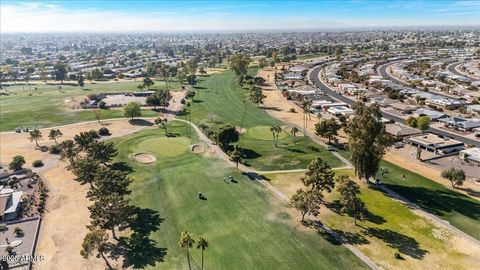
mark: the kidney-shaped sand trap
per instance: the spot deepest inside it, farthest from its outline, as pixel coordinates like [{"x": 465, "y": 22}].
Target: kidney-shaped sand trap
[
  {"x": 197, "y": 148},
  {"x": 144, "y": 158}
]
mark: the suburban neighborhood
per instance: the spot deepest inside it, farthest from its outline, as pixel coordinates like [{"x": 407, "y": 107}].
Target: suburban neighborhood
[{"x": 240, "y": 135}]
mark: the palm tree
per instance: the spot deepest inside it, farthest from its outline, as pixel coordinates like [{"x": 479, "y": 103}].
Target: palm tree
[
  {"x": 55, "y": 134},
  {"x": 163, "y": 123},
  {"x": 275, "y": 131},
  {"x": 35, "y": 135},
  {"x": 294, "y": 132},
  {"x": 186, "y": 241},
  {"x": 68, "y": 151},
  {"x": 203, "y": 244},
  {"x": 306, "y": 104}
]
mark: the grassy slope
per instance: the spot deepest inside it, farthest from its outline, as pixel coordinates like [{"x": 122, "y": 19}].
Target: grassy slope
[
  {"x": 221, "y": 96},
  {"x": 391, "y": 227},
  {"x": 460, "y": 210},
  {"x": 246, "y": 227},
  {"x": 45, "y": 106}
]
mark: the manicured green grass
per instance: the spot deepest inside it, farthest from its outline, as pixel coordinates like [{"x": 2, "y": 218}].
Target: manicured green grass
[
  {"x": 264, "y": 155},
  {"x": 167, "y": 147},
  {"x": 220, "y": 100},
  {"x": 246, "y": 227},
  {"x": 264, "y": 133},
  {"x": 389, "y": 227},
  {"x": 460, "y": 210},
  {"x": 46, "y": 106}
]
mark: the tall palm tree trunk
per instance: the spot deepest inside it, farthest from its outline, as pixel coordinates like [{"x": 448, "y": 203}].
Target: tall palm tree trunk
[
  {"x": 188, "y": 259},
  {"x": 202, "y": 258}
]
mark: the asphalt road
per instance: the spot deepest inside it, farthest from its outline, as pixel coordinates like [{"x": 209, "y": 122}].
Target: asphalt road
[
  {"x": 383, "y": 71},
  {"x": 452, "y": 69},
  {"x": 316, "y": 81}
]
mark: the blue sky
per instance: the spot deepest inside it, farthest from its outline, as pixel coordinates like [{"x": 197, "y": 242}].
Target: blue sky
[{"x": 158, "y": 16}]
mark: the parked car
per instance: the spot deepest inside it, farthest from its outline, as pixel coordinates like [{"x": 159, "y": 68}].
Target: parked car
[
  {"x": 398, "y": 145},
  {"x": 330, "y": 148}
]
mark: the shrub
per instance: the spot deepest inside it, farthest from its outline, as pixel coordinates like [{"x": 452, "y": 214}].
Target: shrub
[
  {"x": 37, "y": 163},
  {"x": 54, "y": 149},
  {"x": 182, "y": 101},
  {"x": 18, "y": 231},
  {"x": 102, "y": 105},
  {"x": 11, "y": 182},
  {"x": 94, "y": 134},
  {"x": 17, "y": 163},
  {"x": 292, "y": 110},
  {"x": 103, "y": 131},
  {"x": 9, "y": 250}
]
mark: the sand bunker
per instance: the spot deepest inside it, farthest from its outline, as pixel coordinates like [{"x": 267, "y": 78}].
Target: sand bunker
[
  {"x": 144, "y": 158},
  {"x": 197, "y": 149}
]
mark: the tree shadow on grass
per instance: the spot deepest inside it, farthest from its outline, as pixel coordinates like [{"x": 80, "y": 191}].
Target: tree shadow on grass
[
  {"x": 122, "y": 166},
  {"x": 352, "y": 238},
  {"x": 344, "y": 237},
  {"x": 328, "y": 237},
  {"x": 140, "y": 122},
  {"x": 294, "y": 150},
  {"x": 439, "y": 202},
  {"x": 404, "y": 244},
  {"x": 139, "y": 250},
  {"x": 470, "y": 192},
  {"x": 249, "y": 153},
  {"x": 335, "y": 207},
  {"x": 313, "y": 148}
]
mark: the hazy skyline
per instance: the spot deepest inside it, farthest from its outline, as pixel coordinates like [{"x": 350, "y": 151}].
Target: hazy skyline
[{"x": 157, "y": 16}]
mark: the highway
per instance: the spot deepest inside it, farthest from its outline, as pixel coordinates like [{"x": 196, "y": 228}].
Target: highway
[{"x": 314, "y": 78}]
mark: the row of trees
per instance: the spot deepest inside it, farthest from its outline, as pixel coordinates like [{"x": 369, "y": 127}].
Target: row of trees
[
  {"x": 186, "y": 241},
  {"x": 91, "y": 163},
  {"x": 319, "y": 178},
  {"x": 161, "y": 97}
]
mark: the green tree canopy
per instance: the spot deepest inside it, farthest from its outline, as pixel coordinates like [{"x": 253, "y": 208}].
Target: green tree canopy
[
  {"x": 225, "y": 135},
  {"x": 319, "y": 176},
  {"x": 17, "y": 162},
  {"x": 423, "y": 123},
  {"x": 367, "y": 140},
  {"x": 239, "y": 63},
  {"x": 350, "y": 198},
  {"x": 307, "y": 202},
  {"x": 327, "y": 129},
  {"x": 455, "y": 176},
  {"x": 132, "y": 110},
  {"x": 256, "y": 95}
]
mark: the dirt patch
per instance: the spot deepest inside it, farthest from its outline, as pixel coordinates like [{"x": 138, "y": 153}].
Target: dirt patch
[
  {"x": 144, "y": 158},
  {"x": 241, "y": 130},
  {"x": 74, "y": 103},
  {"x": 197, "y": 148}
]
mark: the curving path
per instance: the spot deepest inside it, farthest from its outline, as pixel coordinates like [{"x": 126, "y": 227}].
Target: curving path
[
  {"x": 254, "y": 174},
  {"x": 315, "y": 78}
]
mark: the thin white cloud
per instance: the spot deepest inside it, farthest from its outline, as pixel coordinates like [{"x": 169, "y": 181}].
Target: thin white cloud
[{"x": 53, "y": 17}]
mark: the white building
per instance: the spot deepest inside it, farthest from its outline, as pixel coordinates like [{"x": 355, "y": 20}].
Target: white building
[{"x": 471, "y": 155}]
